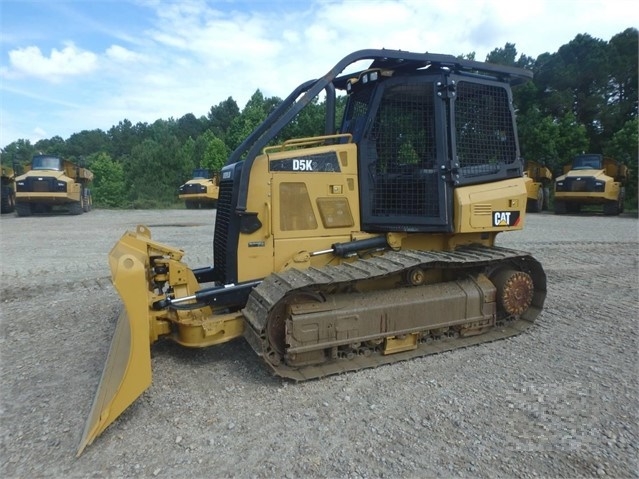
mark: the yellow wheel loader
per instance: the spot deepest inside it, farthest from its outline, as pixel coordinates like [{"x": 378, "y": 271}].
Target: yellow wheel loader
[{"x": 372, "y": 244}]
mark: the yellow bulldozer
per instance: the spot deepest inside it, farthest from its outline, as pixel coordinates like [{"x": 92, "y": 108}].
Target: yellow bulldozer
[
  {"x": 371, "y": 244},
  {"x": 201, "y": 191},
  {"x": 538, "y": 182},
  {"x": 51, "y": 182}
]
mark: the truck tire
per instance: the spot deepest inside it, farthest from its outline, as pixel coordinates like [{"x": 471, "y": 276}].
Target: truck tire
[
  {"x": 573, "y": 207},
  {"x": 24, "y": 209},
  {"x": 614, "y": 207},
  {"x": 87, "y": 202},
  {"x": 76, "y": 208},
  {"x": 537, "y": 205},
  {"x": 8, "y": 203},
  {"x": 560, "y": 207},
  {"x": 546, "y": 204}
]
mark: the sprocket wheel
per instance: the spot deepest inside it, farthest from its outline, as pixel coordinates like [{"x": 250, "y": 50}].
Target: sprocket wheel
[{"x": 515, "y": 290}]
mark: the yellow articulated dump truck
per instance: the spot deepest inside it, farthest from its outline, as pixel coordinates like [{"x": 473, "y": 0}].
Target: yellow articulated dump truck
[
  {"x": 591, "y": 179},
  {"x": 538, "y": 182},
  {"x": 370, "y": 244},
  {"x": 7, "y": 183},
  {"x": 51, "y": 182},
  {"x": 201, "y": 191}
]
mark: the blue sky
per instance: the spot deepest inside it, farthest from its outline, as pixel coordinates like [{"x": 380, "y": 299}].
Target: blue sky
[{"x": 73, "y": 65}]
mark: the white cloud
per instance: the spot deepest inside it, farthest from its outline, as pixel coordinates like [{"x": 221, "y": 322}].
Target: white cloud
[
  {"x": 122, "y": 55},
  {"x": 69, "y": 61},
  {"x": 195, "y": 55}
]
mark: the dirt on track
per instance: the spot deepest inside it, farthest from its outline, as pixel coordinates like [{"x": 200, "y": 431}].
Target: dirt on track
[{"x": 560, "y": 400}]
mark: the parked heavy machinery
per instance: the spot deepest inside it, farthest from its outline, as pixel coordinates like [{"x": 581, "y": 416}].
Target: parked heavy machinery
[
  {"x": 201, "y": 191},
  {"x": 591, "y": 179},
  {"x": 50, "y": 182},
  {"x": 363, "y": 247},
  {"x": 8, "y": 190},
  {"x": 539, "y": 178}
]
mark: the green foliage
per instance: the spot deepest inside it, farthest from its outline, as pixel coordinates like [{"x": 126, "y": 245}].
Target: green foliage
[
  {"x": 572, "y": 139},
  {"x": 108, "y": 188},
  {"x": 78, "y": 144},
  {"x": 508, "y": 56},
  {"x": 18, "y": 154},
  {"x": 308, "y": 122},
  {"x": 254, "y": 113},
  {"x": 208, "y": 151},
  {"x": 53, "y": 146},
  {"x": 221, "y": 117},
  {"x": 624, "y": 147},
  {"x": 467, "y": 56},
  {"x": 190, "y": 127},
  {"x": 154, "y": 173},
  {"x": 550, "y": 141},
  {"x": 187, "y": 158},
  {"x": 215, "y": 154},
  {"x": 538, "y": 137},
  {"x": 576, "y": 80}
]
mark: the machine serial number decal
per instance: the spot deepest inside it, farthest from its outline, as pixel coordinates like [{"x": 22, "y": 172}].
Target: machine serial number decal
[
  {"x": 320, "y": 163},
  {"x": 505, "y": 218},
  {"x": 256, "y": 244}
]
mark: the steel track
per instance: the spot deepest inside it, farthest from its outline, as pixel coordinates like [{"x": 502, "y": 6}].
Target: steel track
[{"x": 276, "y": 287}]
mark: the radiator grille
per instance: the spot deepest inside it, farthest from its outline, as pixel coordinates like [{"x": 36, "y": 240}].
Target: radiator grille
[
  {"x": 193, "y": 188},
  {"x": 222, "y": 225},
  {"x": 580, "y": 184},
  {"x": 39, "y": 185}
]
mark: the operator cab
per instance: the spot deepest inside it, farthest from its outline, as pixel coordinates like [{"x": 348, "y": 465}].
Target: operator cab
[{"x": 419, "y": 135}]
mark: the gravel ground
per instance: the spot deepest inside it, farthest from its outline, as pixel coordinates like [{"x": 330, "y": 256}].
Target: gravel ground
[{"x": 560, "y": 400}]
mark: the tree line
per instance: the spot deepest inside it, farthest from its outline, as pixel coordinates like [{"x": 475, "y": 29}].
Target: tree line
[{"x": 583, "y": 98}]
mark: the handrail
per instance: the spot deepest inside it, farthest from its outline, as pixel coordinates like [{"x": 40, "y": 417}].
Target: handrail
[{"x": 312, "y": 140}]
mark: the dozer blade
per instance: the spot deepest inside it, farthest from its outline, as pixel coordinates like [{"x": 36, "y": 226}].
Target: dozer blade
[
  {"x": 127, "y": 372},
  {"x": 126, "y": 375}
]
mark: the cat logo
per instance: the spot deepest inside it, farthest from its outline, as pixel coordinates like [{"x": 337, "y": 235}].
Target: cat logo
[{"x": 505, "y": 218}]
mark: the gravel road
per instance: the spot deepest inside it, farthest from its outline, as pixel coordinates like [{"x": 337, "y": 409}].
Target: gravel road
[{"x": 560, "y": 400}]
